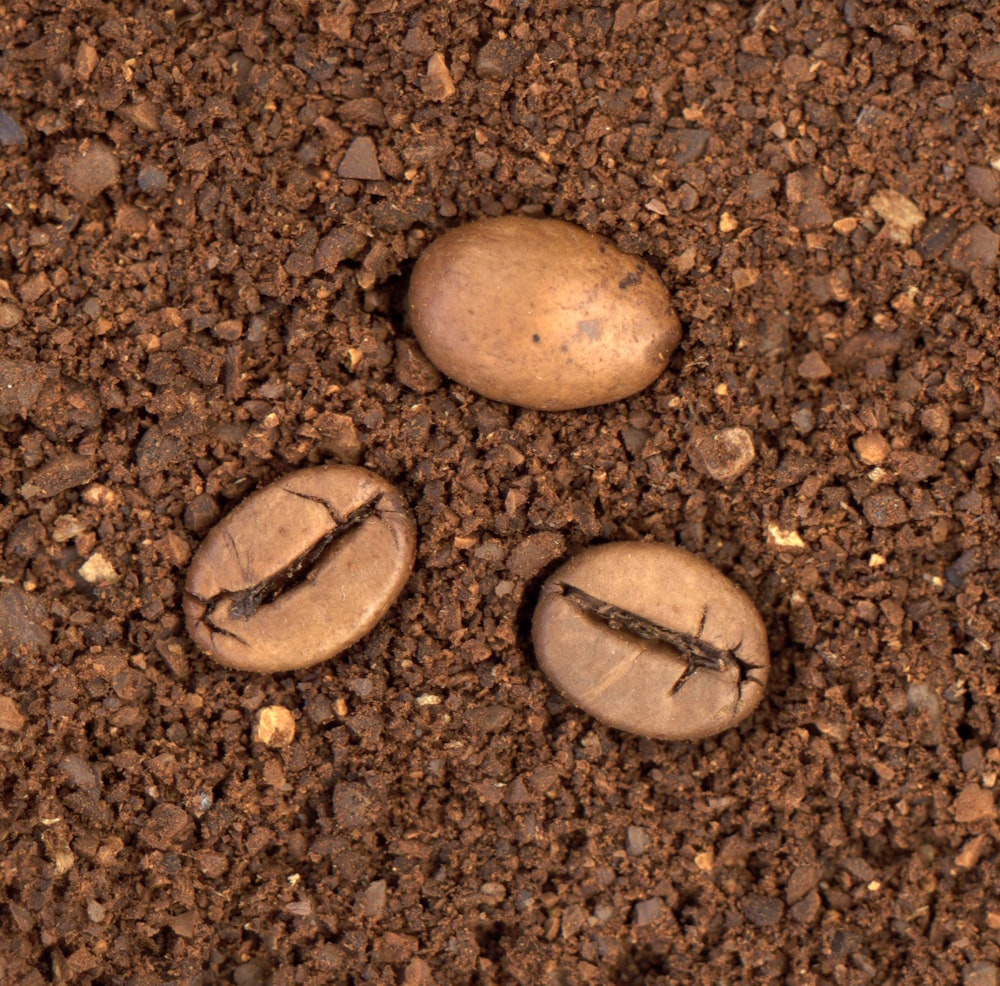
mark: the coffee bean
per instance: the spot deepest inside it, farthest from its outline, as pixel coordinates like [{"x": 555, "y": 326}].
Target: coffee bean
[
  {"x": 300, "y": 570},
  {"x": 541, "y": 314},
  {"x": 652, "y": 640}
]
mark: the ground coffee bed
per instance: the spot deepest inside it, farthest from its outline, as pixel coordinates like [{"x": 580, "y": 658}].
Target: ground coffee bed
[{"x": 210, "y": 215}]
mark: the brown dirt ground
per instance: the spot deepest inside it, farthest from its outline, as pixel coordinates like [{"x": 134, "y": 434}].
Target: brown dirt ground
[{"x": 196, "y": 297}]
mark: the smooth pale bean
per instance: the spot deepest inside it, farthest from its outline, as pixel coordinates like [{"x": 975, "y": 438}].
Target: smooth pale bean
[{"x": 541, "y": 314}]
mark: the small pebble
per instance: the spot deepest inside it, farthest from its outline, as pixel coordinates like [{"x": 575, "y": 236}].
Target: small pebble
[
  {"x": 936, "y": 419},
  {"x": 152, "y": 180},
  {"x": 634, "y": 439},
  {"x": 87, "y": 59},
  {"x": 803, "y": 879},
  {"x": 647, "y": 911},
  {"x": 35, "y": 287},
  {"x": 981, "y": 974},
  {"x": 11, "y": 719},
  {"x": 814, "y": 367},
  {"x": 10, "y": 315},
  {"x": 973, "y": 760},
  {"x": 722, "y": 455},
  {"x": 249, "y": 974},
  {"x": 984, "y": 183},
  {"x": 923, "y": 699},
  {"x": 23, "y": 621},
  {"x": 797, "y": 69},
  {"x": 974, "y": 804},
  {"x": 804, "y": 419},
  {"x": 806, "y": 910},
  {"x": 339, "y": 437},
  {"x": 500, "y": 58},
  {"x": 968, "y": 857},
  {"x": 975, "y": 248},
  {"x": 418, "y": 973},
  {"x": 373, "y": 899},
  {"x": 275, "y": 726},
  {"x": 688, "y": 198},
  {"x": 201, "y": 513},
  {"x": 167, "y": 826},
  {"x": 872, "y": 448},
  {"x": 228, "y": 330},
  {"x": 414, "y": 369},
  {"x": 490, "y": 719},
  {"x": 97, "y": 570},
  {"x": 11, "y": 133},
  {"x": 64, "y": 472},
  {"x": 438, "y": 84},
  {"x": 885, "y": 508},
  {"x": 807, "y": 190},
  {"x": 361, "y": 161},
  {"x": 493, "y": 892},
  {"x": 636, "y": 840},
  {"x": 901, "y": 215},
  {"x": 535, "y": 552},
  {"x": 961, "y": 568},
  {"x": 763, "y": 912},
  {"x": 91, "y": 170}
]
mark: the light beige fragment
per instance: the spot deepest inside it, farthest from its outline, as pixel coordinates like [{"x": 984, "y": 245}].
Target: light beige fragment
[
  {"x": 275, "y": 726},
  {"x": 97, "y": 570},
  {"x": 439, "y": 85},
  {"x": 10, "y": 716},
  {"x": 900, "y": 215},
  {"x": 784, "y": 539}
]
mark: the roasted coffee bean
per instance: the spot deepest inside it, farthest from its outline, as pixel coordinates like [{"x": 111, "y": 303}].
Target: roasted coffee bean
[
  {"x": 652, "y": 640},
  {"x": 300, "y": 570},
  {"x": 541, "y": 314}
]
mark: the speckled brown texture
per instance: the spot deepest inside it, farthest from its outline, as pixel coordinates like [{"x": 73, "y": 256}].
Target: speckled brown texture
[{"x": 214, "y": 305}]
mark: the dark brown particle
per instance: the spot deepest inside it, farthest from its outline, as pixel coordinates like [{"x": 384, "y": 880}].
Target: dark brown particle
[{"x": 846, "y": 833}]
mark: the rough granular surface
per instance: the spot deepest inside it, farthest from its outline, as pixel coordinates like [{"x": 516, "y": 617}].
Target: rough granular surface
[{"x": 210, "y": 212}]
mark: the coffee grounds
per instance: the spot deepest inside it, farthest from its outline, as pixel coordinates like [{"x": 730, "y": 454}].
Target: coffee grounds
[{"x": 195, "y": 301}]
